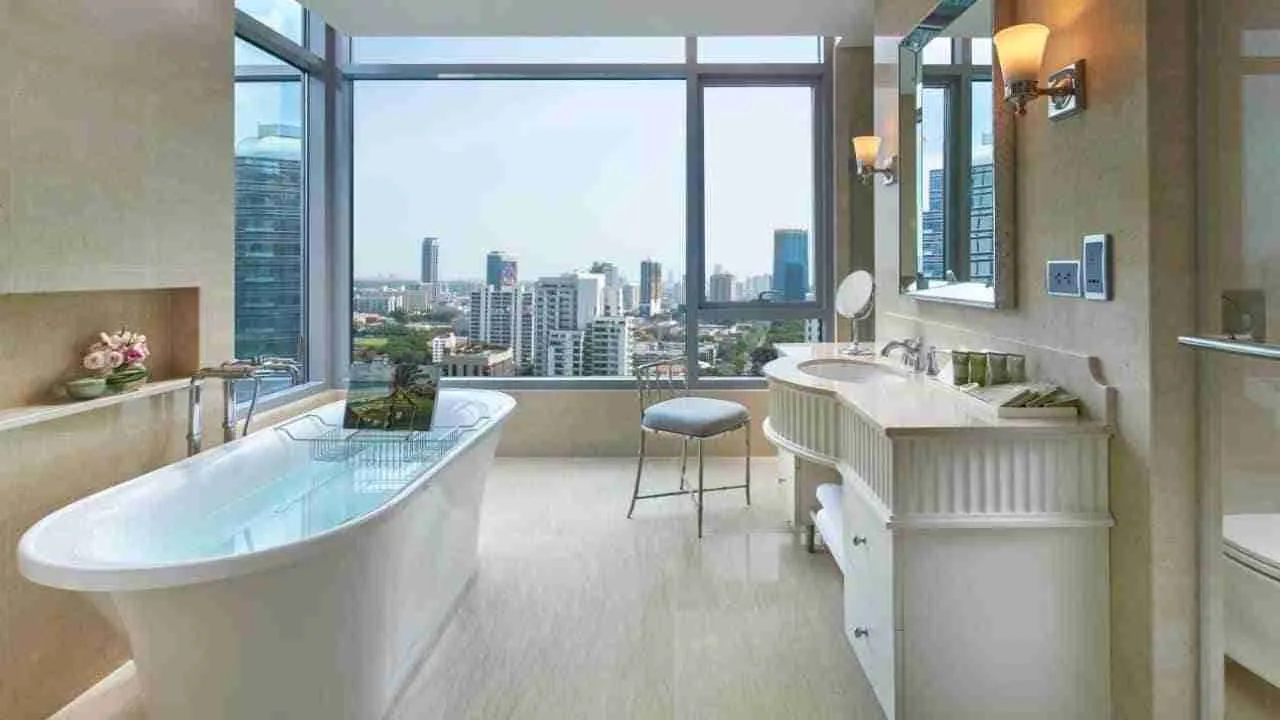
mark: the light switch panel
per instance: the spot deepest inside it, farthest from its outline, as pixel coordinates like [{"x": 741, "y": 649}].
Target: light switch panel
[
  {"x": 1096, "y": 267},
  {"x": 1062, "y": 278}
]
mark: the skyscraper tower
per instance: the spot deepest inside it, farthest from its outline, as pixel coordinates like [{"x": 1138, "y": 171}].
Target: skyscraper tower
[
  {"x": 650, "y": 288},
  {"x": 430, "y": 261},
  {"x": 564, "y": 307},
  {"x": 500, "y": 270},
  {"x": 268, "y": 264},
  {"x": 720, "y": 287},
  {"x": 791, "y": 264},
  {"x": 500, "y": 316}
]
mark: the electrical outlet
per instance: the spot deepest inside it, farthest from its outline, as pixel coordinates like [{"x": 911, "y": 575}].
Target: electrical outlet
[{"x": 1062, "y": 278}]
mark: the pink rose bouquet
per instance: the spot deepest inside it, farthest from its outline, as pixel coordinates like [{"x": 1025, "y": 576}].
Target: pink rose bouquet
[{"x": 120, "y": 357}]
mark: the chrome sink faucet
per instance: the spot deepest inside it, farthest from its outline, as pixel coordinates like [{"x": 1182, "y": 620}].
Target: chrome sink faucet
[
  {"x": 915, "y": 355},
  {"x": 230, "y": 373}
]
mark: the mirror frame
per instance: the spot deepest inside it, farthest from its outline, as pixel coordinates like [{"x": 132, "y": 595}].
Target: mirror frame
[{"x": 1004, "y": 158}]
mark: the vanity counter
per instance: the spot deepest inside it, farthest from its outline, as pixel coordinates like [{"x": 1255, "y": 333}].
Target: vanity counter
[
  {"x": 975, "y": 547},
  {"x": 907, "y": 404}
]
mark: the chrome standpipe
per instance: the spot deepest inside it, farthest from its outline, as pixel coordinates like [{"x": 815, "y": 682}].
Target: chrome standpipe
[{"x": 230, "y": 373}]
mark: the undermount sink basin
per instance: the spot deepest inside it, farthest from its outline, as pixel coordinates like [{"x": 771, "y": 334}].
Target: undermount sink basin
[{"x": 849, "y": 371}]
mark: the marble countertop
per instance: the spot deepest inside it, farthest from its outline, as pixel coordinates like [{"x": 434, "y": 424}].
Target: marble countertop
[{"x": 912, "y": 404}]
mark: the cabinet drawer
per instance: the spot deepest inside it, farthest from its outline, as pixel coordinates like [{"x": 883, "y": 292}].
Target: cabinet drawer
[{"x": 869, "y": 595}]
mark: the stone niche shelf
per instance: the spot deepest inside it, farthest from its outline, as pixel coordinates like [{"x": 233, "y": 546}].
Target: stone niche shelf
[
  {"x": 44, "y": 335},
  {"x": 14, "y": 418}
]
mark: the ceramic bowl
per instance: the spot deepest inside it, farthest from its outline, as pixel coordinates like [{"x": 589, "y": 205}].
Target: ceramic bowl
[{"x": 86, "y": 388}]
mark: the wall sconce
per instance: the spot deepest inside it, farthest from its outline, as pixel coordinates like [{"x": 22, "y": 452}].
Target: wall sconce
[
  {"x": 1020, "y": 49},
  {"x": 866, "y": 150}
]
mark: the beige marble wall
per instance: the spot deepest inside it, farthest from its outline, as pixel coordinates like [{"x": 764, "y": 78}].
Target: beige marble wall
[
  {"x": 115, "y": 174},
  {"x": 854, "y": 203},
  {"x": 1124, "y": 167}
]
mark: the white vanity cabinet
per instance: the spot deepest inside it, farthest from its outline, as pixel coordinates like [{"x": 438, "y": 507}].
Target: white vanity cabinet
[{"x": 977, "y": 550}]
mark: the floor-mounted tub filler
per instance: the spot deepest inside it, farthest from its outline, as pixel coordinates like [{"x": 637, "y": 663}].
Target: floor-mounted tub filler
[{"x": 304, "y": 571}]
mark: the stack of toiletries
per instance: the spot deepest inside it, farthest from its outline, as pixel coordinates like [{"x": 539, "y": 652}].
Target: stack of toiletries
[{"x": 999, "y": 380}]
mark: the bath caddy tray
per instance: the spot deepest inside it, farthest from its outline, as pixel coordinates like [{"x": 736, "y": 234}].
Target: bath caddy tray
[{"x": 332, "y": 443}]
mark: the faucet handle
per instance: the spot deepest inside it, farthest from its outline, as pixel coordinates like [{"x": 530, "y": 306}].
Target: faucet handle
[{"x": 931, "y": 361}]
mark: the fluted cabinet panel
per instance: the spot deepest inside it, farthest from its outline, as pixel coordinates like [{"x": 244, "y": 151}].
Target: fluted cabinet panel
[{"x": 1022, "y": 475}]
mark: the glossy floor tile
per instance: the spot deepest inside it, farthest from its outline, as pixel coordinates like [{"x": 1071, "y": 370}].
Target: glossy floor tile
[{"x": 577, "y": 612}]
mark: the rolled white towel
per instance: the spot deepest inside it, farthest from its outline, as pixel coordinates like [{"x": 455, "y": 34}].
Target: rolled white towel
[
  {"x": 830, "y": 527},
  {"x": 829, "y": 496}
]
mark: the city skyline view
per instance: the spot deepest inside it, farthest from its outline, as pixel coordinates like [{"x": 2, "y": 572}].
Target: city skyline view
[
  {"x": 535, "y": 227},
  {"x": 563, "y": 173}
]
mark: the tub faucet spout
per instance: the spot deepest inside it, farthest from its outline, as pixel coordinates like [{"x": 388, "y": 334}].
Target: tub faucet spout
[{"x": 230, "y": 373}]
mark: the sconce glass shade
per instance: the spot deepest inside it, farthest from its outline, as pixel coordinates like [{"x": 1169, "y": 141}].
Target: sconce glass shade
[
  {"x": 1020, "y": 49},
  {"x": 866, "y": 148}
]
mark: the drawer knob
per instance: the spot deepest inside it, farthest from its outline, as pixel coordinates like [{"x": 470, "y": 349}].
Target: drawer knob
[
  {"x": 859, "y": 540},
  {"x": 861, "y": 632}
]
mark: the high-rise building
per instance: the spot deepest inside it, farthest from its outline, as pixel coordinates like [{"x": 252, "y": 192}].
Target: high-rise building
[
  {"x": 612, "y": 277},
  {"x": 564, "y": 304},
  {"x": 630, "y": 298},
  {"x": 528, "y": 331},
  {"x": 607, "y": 349},
  {"x": 982, "y": 222},
  {"x": 757, "y": 284},
  {"x": 791, "y": 264},
  {"x": 613, "y": 301},
  {"x": 500, "y": 316},
  {"x": 268, "y": 243},
  {"x": 500, "y": 270},
  {"x": 931, "y": 251},
  {"x": 720, "y": 287},
  {"x": 430, "y": 261},
  {"x": 561, "y": 354},
  {"x": 650, "y": 288}
]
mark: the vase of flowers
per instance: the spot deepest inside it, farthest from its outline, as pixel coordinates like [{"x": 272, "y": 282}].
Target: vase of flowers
[{"x": 119, "y": 357}]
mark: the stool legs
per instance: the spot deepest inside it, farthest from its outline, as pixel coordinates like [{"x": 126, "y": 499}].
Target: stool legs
[
  {"x": 699, "y": 488},
  {"x": 639, "y": 469},
  {"x": 684, "y": 459},
  {"x": 684, "y": 467}
]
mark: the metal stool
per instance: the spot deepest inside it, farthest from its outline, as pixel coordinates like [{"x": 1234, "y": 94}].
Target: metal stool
[{"x": 666, "y": 407}]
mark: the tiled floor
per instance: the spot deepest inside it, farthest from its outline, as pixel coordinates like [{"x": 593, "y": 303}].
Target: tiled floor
[{"x": 577, "y": 612}]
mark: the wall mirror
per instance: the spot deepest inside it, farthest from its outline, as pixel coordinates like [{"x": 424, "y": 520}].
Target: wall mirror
[{"x": 956, "y": 164}]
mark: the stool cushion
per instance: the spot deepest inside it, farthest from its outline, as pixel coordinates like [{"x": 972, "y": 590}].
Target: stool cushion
[{"x": 695, "y": 416}]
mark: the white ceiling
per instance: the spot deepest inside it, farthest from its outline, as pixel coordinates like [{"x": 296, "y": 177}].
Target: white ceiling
[{"x": 851, "y": 19}]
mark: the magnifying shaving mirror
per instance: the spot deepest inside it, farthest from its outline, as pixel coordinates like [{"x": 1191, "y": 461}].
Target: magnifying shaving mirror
[{"x": 856, "y": 300}]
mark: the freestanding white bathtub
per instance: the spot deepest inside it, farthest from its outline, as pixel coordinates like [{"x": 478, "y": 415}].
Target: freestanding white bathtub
[{"x": 258, "y": 581}]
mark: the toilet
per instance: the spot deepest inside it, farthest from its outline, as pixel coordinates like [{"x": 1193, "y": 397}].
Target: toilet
[{"x": 1251, "y": 592}]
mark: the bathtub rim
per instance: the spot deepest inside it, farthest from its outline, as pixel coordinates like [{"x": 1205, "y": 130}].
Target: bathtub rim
[{"x": 57, "y": 570}]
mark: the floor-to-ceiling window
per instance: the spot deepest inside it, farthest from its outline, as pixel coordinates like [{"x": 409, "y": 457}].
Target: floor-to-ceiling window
[
  {"x": 573, "y": 207},
  {"x": 276, "y": 150}
]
